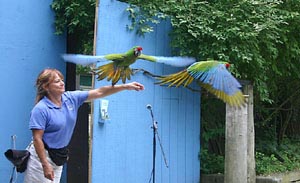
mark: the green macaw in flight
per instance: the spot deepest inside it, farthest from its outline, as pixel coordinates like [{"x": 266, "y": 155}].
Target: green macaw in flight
[
  {"x": 119, "y": 65},
  {"x": 211, "y": 75}
]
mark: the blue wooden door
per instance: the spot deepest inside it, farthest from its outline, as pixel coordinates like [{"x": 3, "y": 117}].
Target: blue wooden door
[{"x": 122, "y": 146}]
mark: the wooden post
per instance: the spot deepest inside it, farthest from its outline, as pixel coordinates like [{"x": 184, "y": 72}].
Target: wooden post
[
  {"x": 240, "y": 141},
  {"x": 251, "y": 140},
  {"x": 236, "y": 141}
]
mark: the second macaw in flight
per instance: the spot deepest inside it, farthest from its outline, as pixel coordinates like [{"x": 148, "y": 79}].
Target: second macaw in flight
[
  {"x": 211, "y": 75},
  {"x": 119, "y": 68}
]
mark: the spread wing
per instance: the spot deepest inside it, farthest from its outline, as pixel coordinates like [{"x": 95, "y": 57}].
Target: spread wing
[
  {"x": 211, "y": 75},
  {"x": 175, "y": 61},
  {"x": 90, "y": 59}
]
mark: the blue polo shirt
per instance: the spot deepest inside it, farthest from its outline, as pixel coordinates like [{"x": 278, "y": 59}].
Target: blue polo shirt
[{"x": 57, "y": 122}]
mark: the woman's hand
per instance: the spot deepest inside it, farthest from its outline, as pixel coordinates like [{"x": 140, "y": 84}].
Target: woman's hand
[
  {"x": 48, "y": 171},
  {"x": 134, "y": 86}
]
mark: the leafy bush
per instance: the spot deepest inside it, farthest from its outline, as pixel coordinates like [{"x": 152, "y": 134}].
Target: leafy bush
[
  {"x": 282, "y": 161},
  {"x": 76, "y": 18},
  {"x": 268, "y": 164},
  {"x": 210, "y": 162},
  {"x": 283, "y": 158}
]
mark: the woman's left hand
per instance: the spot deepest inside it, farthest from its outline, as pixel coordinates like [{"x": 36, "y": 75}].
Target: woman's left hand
[{"x": 134, "y": 86}]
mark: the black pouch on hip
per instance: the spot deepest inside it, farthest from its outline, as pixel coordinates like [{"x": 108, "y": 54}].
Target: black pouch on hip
[
  {"x": 58, "y": 156},
  {"x": 18, "y": 158}
]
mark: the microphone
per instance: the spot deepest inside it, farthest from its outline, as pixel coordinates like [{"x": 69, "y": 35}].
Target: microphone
[{"x": 148, "y": 106}]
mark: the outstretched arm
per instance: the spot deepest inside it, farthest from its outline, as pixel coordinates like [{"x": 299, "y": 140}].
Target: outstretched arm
[{"x": 109, "y": 90}]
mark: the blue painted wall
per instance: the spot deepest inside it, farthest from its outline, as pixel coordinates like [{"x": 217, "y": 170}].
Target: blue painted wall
[
  {"x": 122, "y": 146},
  {"x": 27, "y": 45}
]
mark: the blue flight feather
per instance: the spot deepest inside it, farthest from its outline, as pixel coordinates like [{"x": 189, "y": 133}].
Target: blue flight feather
[
  {"x": 176, "y": 61},
  {"x": 219, "y": 78},
  {"x": 83, "y": 59}
]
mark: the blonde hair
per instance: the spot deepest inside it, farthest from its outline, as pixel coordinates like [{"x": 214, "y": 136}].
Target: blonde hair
[{"x": 44, "y": 79}]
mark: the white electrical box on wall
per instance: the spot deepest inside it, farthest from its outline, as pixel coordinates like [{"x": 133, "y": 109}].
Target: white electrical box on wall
[{"x": 103, "y": 110}]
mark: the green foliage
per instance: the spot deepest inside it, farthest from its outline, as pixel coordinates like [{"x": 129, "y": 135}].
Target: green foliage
[
  {"x": 143, "y": 23},
  {"x": 73, "y": 14},
  {"x": 83, "y": 70},
  {"x": 212, "y": 135},
  {"x": 250, "y": 34},
  {"x": 211, "y": 163},
  {"x": 268, "y": 164},
  {"x": 77, "y": 17},
  {"x": 213, "y": 126},
  {"x": 270, "y": 158},
  {"x": 282, "y": 158}
]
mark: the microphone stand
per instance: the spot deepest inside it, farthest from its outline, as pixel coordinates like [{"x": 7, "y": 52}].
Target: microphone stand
[
  {"x": 155, "y": 133},
  {"x": 13, "y": 145}
]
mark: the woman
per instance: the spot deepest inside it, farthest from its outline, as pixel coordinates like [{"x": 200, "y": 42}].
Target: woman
[{"x": 52, "y": 121}]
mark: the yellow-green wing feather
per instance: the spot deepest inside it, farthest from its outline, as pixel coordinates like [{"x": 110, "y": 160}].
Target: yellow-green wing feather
[
  {"x": 147, "y": 57},
  {"x": 114, "y": 57}
]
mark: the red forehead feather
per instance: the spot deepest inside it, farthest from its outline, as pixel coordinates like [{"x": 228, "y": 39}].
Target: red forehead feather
[
  {"x": 227, "y": 65},
  {"x": 139, "y": 48}
]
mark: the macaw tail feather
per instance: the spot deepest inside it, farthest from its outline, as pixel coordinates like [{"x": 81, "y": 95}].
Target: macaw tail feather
[
  {"x": 83, "y": 59},
  {"x": 113, "y": 73},
  {"x": 126, "y": 74},
  {"x": 236, "y": 99},
  {"x": 177, "y": 79}
]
